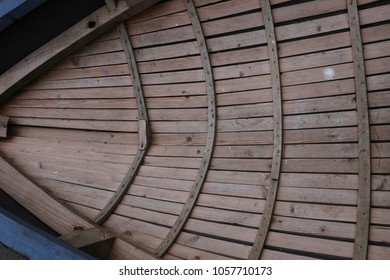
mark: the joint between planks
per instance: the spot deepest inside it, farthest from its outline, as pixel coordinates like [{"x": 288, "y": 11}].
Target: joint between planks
[
  {"x": 364, "y": 178},
  {"x": 211, "y": 131},
  {"x": 278, "y": 132}
]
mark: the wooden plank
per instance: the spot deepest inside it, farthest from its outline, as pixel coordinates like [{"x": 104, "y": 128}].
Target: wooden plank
[
  {"x": 308, "y": 180},
  {"x": 81, "y": 93},
  {"x": 39, "y": 202},
  {"x": 273, "y": 183},
  {"x": 321, "y": 120},
  {"x": 335, "y": 166},
  {"x": 75, "y": 114},
  {"x": 114, "y": 126},
  {"x": 327, "y": 229},
  {"x": 318, "y": 194},
  {"x": 86, "y": 103},
  {"x": 364, "y": 182},
  {"x": 311, "y": 245},
  {"x": 43, "y": 205},
  {"x": 321, "y": 151},
  {"x": 75, "y": 135},
  {"x": 316, "y": 211},
  {"x": 211, "y": 131},
  {"x": 57, "y": 49},
  {"x": 3, "y": 126}
]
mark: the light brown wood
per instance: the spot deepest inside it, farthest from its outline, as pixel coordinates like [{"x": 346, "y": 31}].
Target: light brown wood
[
  {"x": 51, "y": 211},
  {"x": 211, "y": 131},
  {"x": 364, "y": 183},
  {"x": 277, "y": 154}
]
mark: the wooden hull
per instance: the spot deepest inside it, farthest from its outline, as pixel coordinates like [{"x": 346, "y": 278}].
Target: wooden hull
[{"x": 201, "y": 139}]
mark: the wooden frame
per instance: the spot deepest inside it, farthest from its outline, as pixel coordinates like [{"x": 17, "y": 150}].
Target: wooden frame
[
  {"x": 47, "y": 208},
  {"x": 211, "y": 131},
  {"x": 144, "y": 132},
  {"x": 278, "y": 130},
  {"x": 70, "y": 40},
  {"x": 364, "y": 181}
]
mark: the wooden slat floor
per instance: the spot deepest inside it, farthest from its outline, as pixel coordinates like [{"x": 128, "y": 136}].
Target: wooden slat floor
[{"x": 74, "y": 130}]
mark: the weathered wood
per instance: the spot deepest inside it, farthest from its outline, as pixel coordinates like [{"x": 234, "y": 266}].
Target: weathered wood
[
  {"x": 334, "y": 248},
  {"x": 211, "y": 131},
  {"x": 43, "y": 205},
  {"x": 273, "y": 184},
  {"x": 144, "y": 134},
  {"x": 364, "y": 183},
  {"x": 3, "y": 126},
  {"x": 94, "y": 241},
  {"x": 57, "y": 49}
]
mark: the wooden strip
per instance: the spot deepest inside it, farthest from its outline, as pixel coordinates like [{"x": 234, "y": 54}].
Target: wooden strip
[
  {"x": 3, "y": 126},
  {"x": 278, "y": 130},
  {"x": 87, "y": 29},
  {"x": 211, "y": 131},
  {"x": 364, "y": 181},
  {"x": 144, "y": 132}
]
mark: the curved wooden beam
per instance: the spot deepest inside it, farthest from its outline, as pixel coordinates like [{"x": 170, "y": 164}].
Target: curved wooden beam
[
  {"x": 144, "y": 132},
  {"x": 211, "y": 130},
  {"x": 57, "y": 49},
  {"x": 278, "y": 133},
  {"x": 364, "y": 180}
]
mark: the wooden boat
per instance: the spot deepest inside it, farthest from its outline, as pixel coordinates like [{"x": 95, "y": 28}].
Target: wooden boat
[{"x": 208, "y": 129}]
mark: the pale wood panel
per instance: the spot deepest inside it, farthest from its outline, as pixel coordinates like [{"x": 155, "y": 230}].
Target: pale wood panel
[
  {"x": 80, "y": 93},
  {"x": 75, "y": 135},
  {"x": 86, "y": 103},
  {"x": 227, "y": 216},
  {"x": 311, "y": 245},
  {"x": 321, "y": 135},
  {"x": 114, "y": 126},
  {"x": 320, "y": 104},
  {"x": 343, "y": 166},
  {"x": 329, "y": 181},
  {"x": 73, "y": 114},
  {"x": 316, "y": 211},
  {"x": 378, "y": 252},
  {"x": 82, "y": 83},
  {"x": 379, "y": 234},
  {"x": 276, "y": 255},
  {"x": 83, "y": 162},
  {"x": 318, "y": 228},
  {"x": 77, "y": 73},
  {"x": 321, "y": 151},
  {"x": 317, "y": 195}
]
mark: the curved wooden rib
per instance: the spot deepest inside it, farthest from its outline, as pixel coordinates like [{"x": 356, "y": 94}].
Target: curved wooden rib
[
  {"x": 144, "y": 134},
  {"x": 211, "y": 130},
  {"x": 278, "y": 127},
  {"x": 364, "y": 181}
]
